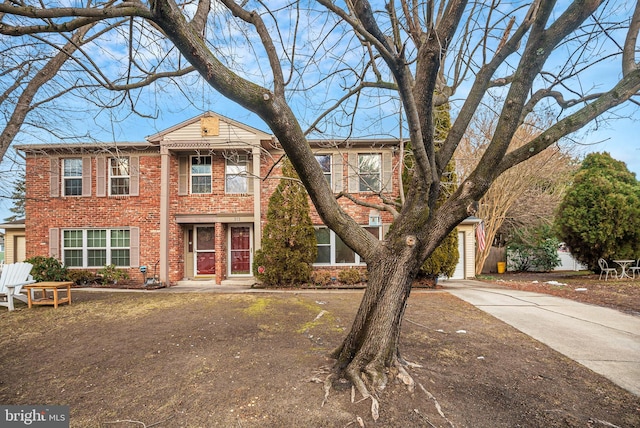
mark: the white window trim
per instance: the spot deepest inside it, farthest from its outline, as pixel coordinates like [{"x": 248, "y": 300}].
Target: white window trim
[
  {"x": 85, "y": 248},
  {"x": 111, "y": 176},
  {"x": 330, "y": 173},
  {"x": 361, "y": 173},
  {"x": 332, "y": 251},
  {"x": 241, "y": 160},
  {"x": 74, "y": 177},
  {"x": 191, "y": 175}
]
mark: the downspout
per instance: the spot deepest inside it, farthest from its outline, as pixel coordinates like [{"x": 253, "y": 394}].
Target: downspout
[
  {"x": 164, "y": 215},
  {"x": 257, "y": 193}
]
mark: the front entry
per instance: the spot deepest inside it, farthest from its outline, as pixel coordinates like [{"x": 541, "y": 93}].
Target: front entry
[
  {"x": 240, "y": 250},
  {"x": 205, "y": 254}
]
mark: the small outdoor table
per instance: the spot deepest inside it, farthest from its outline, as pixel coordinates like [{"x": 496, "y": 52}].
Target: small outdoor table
[
  {"x": 52, "y": 286},
  {"x": 623, "y": 264}
]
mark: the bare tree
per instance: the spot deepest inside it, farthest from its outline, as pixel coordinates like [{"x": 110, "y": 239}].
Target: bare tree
[
  {"x": 36, "y": 72},
  {"x": 420, "y": 53},
  {"x": 525, "y": 195}
]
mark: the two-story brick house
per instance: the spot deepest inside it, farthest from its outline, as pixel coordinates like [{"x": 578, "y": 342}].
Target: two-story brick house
[{"x": 191, "y": 200}]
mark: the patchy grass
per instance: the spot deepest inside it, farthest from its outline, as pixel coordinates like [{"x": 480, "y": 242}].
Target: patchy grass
[{"x": 214, "y": 360}]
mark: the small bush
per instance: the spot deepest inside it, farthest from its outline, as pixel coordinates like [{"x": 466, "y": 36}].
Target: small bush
[
  {"x": 533, "y": 249},
  {"x": 349, "y": 276},
  {"x": 47, "y": 269},
  {"x": 81, "y": 277},
  {"x": 321, "y": 278},
  {"x": 111, "y": 274}
]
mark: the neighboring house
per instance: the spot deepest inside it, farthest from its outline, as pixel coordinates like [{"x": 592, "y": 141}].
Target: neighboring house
[
  {"x": 567, "y": 261},
  {"x": 1, "y": 247},
  {"x": 192, "y": 200},
  {"x": 14, "y": 241}
]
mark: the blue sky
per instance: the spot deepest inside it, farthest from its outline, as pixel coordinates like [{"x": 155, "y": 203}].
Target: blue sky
[{"x": 619, "y": 136}]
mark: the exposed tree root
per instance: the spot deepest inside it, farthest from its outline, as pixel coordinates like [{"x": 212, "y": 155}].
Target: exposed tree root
[
  {"x": 438, "y": 408},
  {"x": 368, "y": 381},
  {"x": 605, "y": 423},
  {"x": 424, "y": 418},
  {"x": 361, "y": 382},
  {"x": 328, "y": 383}
]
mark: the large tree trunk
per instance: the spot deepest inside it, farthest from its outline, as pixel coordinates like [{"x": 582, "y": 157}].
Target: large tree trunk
[{"x": 370, "y": 351}]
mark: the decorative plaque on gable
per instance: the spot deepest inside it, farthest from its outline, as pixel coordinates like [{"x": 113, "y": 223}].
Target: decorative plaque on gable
[{"x": 210, "y": 126}]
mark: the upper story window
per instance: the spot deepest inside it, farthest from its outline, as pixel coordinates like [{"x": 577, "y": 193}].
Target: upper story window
[
  {"x": 119, "y": 176},
  {"x": 201, "y": 174},
  {"x": 369, "y": 171},
  {"x": 325, "y": 164},
  {"x": 72, "y": 177},
  {"x": 237, "y": 174}
]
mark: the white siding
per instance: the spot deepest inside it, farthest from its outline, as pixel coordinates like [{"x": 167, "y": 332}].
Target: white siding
[
  {"x": 469, "y": 251},
  {"x": 227, "y": 134},
  {"x": 465, "y": 269},
  {"x": 458, "y": 273}
]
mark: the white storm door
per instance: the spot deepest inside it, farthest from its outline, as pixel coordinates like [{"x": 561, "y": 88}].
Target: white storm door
[
  {"x": 204, "y": 250},
  {"x": 240, "y": 250}
]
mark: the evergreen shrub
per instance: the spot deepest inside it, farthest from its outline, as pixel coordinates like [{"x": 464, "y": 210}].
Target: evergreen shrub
[
  {"x": 321, "y": 278},
  {"x": 349, "y": 276},
  {"x": 47, "y": 269},
  {"x": 289, "y": 245}
]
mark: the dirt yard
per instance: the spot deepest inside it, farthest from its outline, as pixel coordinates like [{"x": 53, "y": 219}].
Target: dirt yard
[{"x": 124, "y": 359}]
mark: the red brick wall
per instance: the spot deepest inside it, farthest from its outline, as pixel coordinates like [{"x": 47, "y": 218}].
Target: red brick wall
[
  {"x": 143, "y": 211},
  {"x": 358, "y": 212},
  {"x": 216, "y": 202},
  {"x": 45, "y": 212}
]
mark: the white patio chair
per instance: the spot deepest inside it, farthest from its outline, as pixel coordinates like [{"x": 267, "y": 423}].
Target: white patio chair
[
  {"x": 14, "y": 276},
  {"x": 604, "y": 268},
  {"x": 635, "y": 269}
]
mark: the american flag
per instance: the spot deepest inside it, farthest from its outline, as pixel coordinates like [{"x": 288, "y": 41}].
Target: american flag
[{"x": 480, "y": 236}]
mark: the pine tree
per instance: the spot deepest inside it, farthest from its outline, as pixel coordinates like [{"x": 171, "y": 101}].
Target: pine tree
[
  {"x": 600, "y": 213},
  {"x": 289, "y": 245},
  {"x": 19, "y": 199}
]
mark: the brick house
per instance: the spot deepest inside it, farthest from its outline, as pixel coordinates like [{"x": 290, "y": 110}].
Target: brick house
[{"x": 192, "y": 200}]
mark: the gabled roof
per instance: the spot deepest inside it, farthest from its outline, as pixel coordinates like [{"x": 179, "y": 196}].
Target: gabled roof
[
  {"x": 156, "y": 138},
  {"x": 75, "y": 148}
]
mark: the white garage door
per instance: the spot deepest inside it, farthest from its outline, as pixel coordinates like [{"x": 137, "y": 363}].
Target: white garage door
[{"x": 459, "y": 272}]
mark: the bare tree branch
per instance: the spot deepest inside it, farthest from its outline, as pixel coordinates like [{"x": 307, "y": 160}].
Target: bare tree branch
[{"x": 629, "y": 62}]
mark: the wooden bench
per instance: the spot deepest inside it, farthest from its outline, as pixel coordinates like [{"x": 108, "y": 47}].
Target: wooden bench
[{"x": 52, "y": 286}]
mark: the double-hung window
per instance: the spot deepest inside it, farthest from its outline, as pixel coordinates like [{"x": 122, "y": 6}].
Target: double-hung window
[
  {"x": 369, "y": 171},
  {"x": 119, "y": 176},
  {"x": 72, "y": 177},
  {"x": 97, "y": 248},
  {"x": 237, "y": 174},
  {"x": 120, "y": 246},
  {"x": 332, "y": 251},
  {"x": 201, "y": 174},
  {"x": 323, "y": 237},
  {"x": 93, "y": 248},
  {"x": 325, "y": 164}
]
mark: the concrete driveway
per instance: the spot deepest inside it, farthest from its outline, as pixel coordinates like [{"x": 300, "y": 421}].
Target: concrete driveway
[{"x": 605, "y": 340}]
